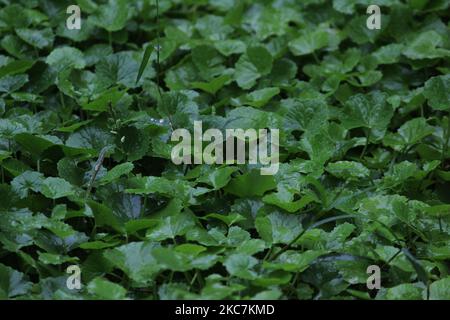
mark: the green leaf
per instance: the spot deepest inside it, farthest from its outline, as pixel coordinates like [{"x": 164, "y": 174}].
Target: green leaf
[
  {"x": 55, "y": 188},
  {"x": 218, "y": 178},
  {"x": 133, "y": 226},
  {"x": 294, "y": 261},
  {"x": 26, "y": 97},
  {"x": 37, "y": 38},
  {"x": 261, "y": 58},
  {"x": 212, "y": 27},
  {"x": 388, "y": 54},
  {"x": 426, "y": 45},
  {"x": 250, "y": 184},
  {"x": 350, "y": 170},
  {"x": 261, "y": 97},
  {"x": 162, "y": 186},
  {"x": 183, "y": 259},
  {"x": 136, "y": 259},
  {"x": 214, "y": 85},
  {"x": 438, "y": 211},
  {"x": 285, "y": 199},
  {"x": 404, "y": 291},
  {"x": 227, "y": 219},
  {"x": 251, "y": 66},
  {"x": 147, "y": 53},
  {"x": 311, "y": 40},
  {"x": 97, "y": 245},
  {"x": 90, "y": 138},
  {"x": 55, "y": 259},
  {"x": 116, "y": 172},
  {"x": 12, "y": 16},
  {"x": 208, "y": 61},
  {"x": 437, "y": 92},
  {"x": 228, "y": 47},
  {"x": 66, "y": 57},
  {"x": 16, "y": 67},
  {"x": 241, "y": 265},
  {"x": 13, "y": 283},
  {"x": 73, "y": 127},
  {"x": 10, "y": 84},
  {"x": 191, "y": 249},
  {"x": 106, "y": 290},
  {"x": 112, "y": 16},
  {"x": 318, "y": 145},
  {"x": 422, "y": 274},
  {"x": 384, "y": 208},
  {"x": 410, "y": 133},
  {"x": 119, "y": 68},
  {"x": 36, "y": 144},
  {"x": 370, "y": 111},
  {"x": 107, "y": 99},
  {"x": 103, "y": 215},
  {"x": 440, "y": 289},
  {"x": 308, "y": 115},
  {"x": 278, "y": 227},
  {"x": 170, "y": 227},
  {"x": 29, "y": 180}
]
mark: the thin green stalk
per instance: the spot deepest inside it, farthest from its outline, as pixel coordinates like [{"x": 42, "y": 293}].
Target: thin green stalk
[
  {"x": 158, "y": 50},
  {"x": 94, "y": 231},
  {"x": 97, "y": 168},
  {"x": 269, "y": 252},
  {"x": 316, "y": 59},
  {"x": 61, "y": 97},
  {"x": 391, "y": 258},
  {"x": 200, "y": 280},
  {"x": 363, "y": 153},
  {"x": 193, "y": 278},
  {"x": 188, "y": 277},
  {"x": 144, "y": 205},
  {"x": 446, "y": 140}
]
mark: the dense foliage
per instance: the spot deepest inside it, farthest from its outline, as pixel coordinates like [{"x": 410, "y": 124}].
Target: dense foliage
[{"x": 87, "y": 179}]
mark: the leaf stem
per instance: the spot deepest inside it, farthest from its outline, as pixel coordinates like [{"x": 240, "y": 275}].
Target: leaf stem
[
  {"x": 97, "y": 168},
  {"x": 316, "y": 59},
  {"x": 446, "y": 140},
  {"x": 144, "y": 206},
  {"x": 363, "y": 153},
  {"x": 158, "y": 50},
  {"x": 61, "y": 97}
]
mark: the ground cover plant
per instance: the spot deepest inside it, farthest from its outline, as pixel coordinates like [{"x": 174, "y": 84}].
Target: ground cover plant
[{"x": 89, "y": 190}]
